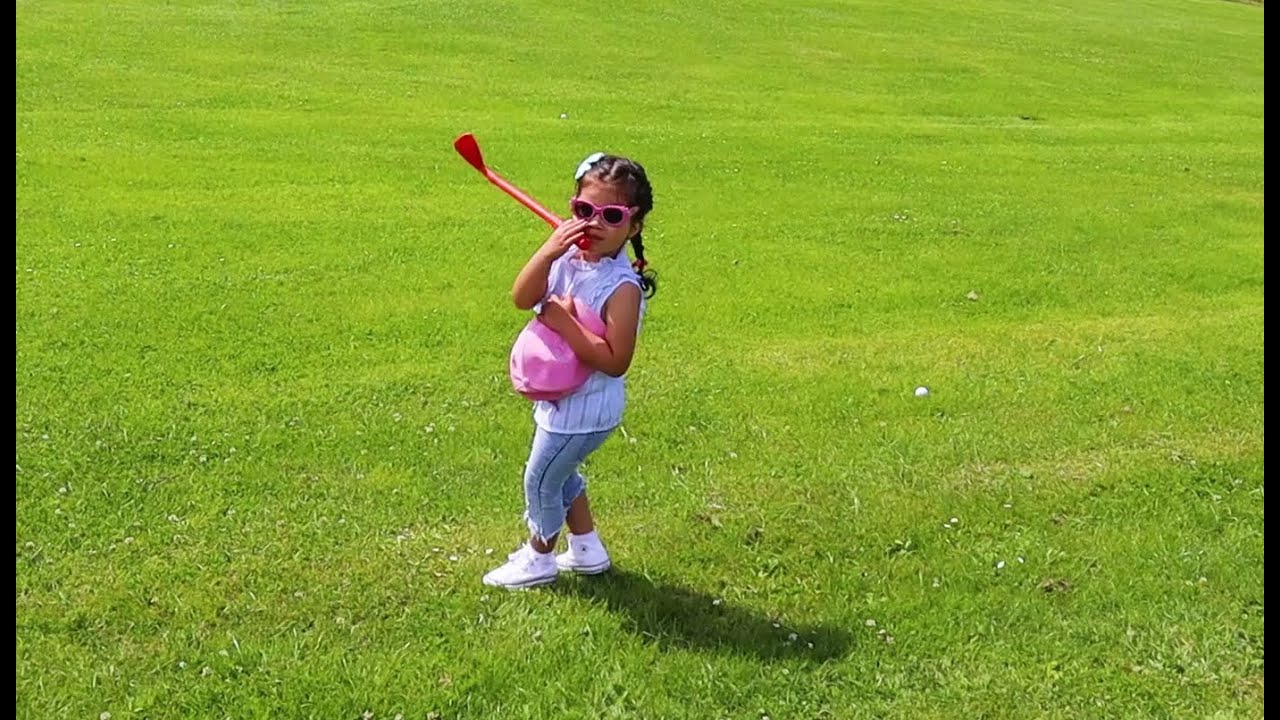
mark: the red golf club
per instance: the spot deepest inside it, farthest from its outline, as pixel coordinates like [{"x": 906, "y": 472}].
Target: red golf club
[{"x": 470, "y": 151}]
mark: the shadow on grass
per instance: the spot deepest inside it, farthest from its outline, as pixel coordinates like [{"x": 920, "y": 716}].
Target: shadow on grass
[{"x": 676, "y": 617}]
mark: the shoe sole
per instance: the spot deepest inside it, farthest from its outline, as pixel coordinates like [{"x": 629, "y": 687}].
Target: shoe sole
[
  {"x": 587, "y": 569},
  {"x": 537, "y": 582}
]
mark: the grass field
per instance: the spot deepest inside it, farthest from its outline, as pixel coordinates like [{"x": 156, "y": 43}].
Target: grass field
[{"x": 266, "y": 445}]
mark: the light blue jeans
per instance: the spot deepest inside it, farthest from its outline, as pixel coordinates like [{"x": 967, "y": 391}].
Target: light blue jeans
[{"x": 552, "y": 480}]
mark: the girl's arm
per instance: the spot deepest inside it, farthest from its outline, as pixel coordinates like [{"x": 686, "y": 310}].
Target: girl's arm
[
  {"x": 531, "y": 284},
  {"x": 612, "y": 353}
]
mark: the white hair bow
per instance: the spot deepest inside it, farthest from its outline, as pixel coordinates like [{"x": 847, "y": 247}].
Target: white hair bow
[{"x": 585, "y": 165}]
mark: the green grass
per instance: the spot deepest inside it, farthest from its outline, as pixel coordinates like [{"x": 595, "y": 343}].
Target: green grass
[{"x": 265, "y": 440}]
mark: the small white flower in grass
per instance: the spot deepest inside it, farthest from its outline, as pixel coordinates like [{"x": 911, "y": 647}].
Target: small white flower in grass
[
  {"x": 777, "y": 625},
  {"x": 206, "y": 671},
  {"x": 1000, "y": 565},
  {"x": 810, "y": 646},
  {"x": 792, "y": 637},
  {"x": 174, "y": 518},
  {"x": 104, "y": 716},
  {"x": 128, "y": 540},
  {"x": 182, "y": 664},
  {"x": 453, "y": 558},
  {"x": 955, "y": 521},
  {"x": 717, "y": 601},
  {"x": 871, "y": 622},
  {"x": 1007, "y": 506},
  {"x": 488, "y": 551},
  {"x": 1020, "y": 559},
  {"x": 367, "y": 715}
]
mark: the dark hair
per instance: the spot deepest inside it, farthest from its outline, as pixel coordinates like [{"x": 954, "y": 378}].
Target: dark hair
[{"x": 629, "y": 174}]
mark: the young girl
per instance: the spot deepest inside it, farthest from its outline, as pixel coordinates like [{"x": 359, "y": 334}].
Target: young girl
[{"x": 584, "y": 259}]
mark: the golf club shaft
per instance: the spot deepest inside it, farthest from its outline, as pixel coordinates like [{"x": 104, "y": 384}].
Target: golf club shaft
[{"x": 515, "y": 192}]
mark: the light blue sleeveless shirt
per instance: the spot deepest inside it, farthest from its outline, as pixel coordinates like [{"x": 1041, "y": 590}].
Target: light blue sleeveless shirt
[{"x": 599, "y": 403}]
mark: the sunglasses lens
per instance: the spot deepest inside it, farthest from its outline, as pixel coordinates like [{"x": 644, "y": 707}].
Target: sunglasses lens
[
  {"x": 581, "y": 210},
  {"x": 612, "y": 215}
]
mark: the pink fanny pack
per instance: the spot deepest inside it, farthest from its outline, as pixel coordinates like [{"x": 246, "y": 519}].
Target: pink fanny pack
[{"x": 543, "y": 366}]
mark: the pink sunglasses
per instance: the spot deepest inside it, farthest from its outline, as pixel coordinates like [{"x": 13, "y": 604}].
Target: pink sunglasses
[{"x": 612, "y": 215}]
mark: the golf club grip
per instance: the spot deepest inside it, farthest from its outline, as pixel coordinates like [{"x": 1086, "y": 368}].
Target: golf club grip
[{"x": 515, "y": 192}]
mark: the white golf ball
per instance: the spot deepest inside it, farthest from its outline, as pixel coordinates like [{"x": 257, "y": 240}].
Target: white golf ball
[{"x": 922, "y": 391}]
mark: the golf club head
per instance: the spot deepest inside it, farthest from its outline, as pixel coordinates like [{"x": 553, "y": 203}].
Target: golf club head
[{"x": 469, "y": 150}]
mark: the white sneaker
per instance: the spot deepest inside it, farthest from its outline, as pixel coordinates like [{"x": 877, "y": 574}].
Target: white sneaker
[
  {"x": 525, "y": 568},
  {"x": 586, "y": 555}
]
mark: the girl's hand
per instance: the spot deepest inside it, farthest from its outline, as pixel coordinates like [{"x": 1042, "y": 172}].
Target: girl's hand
[
  {"x": 562, "y": 239},
  {"x": 558, "y": 312}
]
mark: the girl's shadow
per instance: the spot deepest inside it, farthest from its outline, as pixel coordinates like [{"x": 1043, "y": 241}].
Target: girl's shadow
[{"x": 676, "y": 617}]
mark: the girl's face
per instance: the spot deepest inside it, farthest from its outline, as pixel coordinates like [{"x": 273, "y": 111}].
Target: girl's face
[{"x": 611, "y": 221}]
